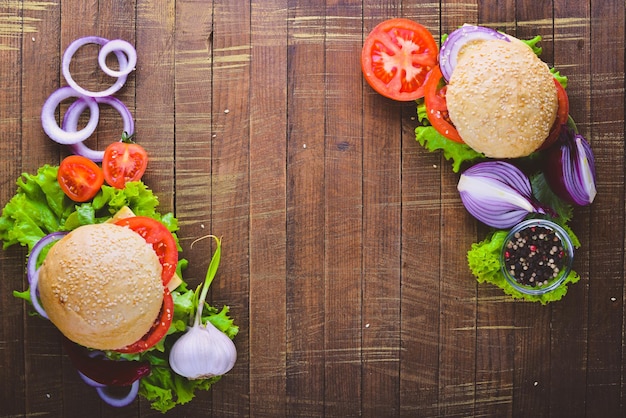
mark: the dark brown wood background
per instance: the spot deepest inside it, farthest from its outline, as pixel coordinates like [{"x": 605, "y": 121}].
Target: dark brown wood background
[{"x": 344, "y": 242}]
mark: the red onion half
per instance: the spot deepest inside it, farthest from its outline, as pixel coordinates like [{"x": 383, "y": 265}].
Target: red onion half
[
  {"x": 459, "y": 38},
  {"x": 498, "y": 194},
  {"x": 570, "y": 168}
]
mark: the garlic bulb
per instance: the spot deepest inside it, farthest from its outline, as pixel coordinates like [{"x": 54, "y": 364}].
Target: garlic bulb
[{"x": 203, "y": 352}]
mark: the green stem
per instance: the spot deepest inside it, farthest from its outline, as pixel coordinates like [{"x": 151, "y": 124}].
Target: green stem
[{"x": 210, "y": 274}]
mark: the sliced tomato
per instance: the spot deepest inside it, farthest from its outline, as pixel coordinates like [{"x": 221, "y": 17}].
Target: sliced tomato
[
  {"x": 436, "y": 106},
  {"x": 396, "y": 57},
  {"x": 159, "y": 328},
  {"x": 161, "y": 239},
  {"x": 562, "y": 114},
  {"x": 79, "y": 178},
  {"x": 123, "y": 162}
]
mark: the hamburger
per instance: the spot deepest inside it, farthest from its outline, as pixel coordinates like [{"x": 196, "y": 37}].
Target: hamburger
[
  {"x": 84, "y": 282},
  {"x": 501, "y": 98}
]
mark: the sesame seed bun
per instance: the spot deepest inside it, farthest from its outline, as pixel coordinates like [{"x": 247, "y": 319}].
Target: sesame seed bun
[
  {"x": 501, "y": 98},
  {"x": 101, "y": 286}
]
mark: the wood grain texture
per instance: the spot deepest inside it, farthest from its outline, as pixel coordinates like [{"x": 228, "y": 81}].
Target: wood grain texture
[{"x": 344, "y": 241}]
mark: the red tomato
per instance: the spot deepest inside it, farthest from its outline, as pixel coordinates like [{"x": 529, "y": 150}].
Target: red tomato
[
  {"x": 562, "y": 115},
  {"x": 79, "y": 178},
  {"x": 159, "y": 328},
  {"x": 161, "y": 239},
  {"x": 436, "y": 106},
  {"x": 123, "y": 162},
  {"x": 396, "y": 57}
]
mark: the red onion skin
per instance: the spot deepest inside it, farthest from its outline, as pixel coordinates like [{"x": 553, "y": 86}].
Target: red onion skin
[{"x": 554, "y": 176}]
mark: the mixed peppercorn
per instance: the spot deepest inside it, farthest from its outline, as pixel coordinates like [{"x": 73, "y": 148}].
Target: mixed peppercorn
[{"x": 534, "y": 256}]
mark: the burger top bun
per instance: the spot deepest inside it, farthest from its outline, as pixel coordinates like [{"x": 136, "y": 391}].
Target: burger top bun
[
  {"x": 101, "y": 286},
  {"x": 501, "y": 98}
]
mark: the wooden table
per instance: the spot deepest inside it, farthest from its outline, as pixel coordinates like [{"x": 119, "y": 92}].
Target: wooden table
[{"x": 344, "y": 241}]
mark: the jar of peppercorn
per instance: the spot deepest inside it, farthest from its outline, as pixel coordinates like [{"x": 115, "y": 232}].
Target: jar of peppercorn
[{"x": 537, "y": 256}]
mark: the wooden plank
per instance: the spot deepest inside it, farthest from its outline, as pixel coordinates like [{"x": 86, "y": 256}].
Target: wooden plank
[
  {"x": 569, "y": 329},
  {"x": 343, "y": 213},
  {"x": 605, "y": 386},
  {"x": 231, "y": 188},
  {"x": 268, "y": 208},
  {"x": 193, "y": 92},
  {"x": 458, "y": 289},
  {"x": 381, "y": 321},
  {"x": 419, "y": 255},
  {"x": 495, "y": 312},
  {"x": 305, "y": 209},
  {"x": 13, "y": 352},
  {"x": 532, "y": 321}
]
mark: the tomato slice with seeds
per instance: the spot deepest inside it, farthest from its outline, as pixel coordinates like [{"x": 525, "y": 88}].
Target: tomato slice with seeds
[
  {"x": 436, "y": 106},
  {"x": 161, "y": 239},
  {"x": 79, "y": 178},
  {"x": 123, "y": 162},
  {"x": 562, "y": 115},
  {"x": 396, "y": 57},
  {"x": 159, "y": 328}
]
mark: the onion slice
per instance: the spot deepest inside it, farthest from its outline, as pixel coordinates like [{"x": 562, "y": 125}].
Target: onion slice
[
  {"x": 111, "y": 396},
  {"x": 31, "y": 264},
  {"x": 113, "y": 46},
  {"x": 498, "y": 194},
  {"x": 32, "y": 271},
  {"x": 458, "y": 39},
  {"x": 72, "y": 115},
  {"x": 69, "y": 54},
  {"x": 49, "y": 123},
  {"x": 34, "y": 295}
]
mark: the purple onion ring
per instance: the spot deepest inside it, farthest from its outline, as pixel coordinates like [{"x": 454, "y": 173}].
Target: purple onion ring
[
  {"x": 113, "y": 46},
  {"x": 72, "y": 115},
  {"x": 69, "y": 54},
  {"x": 49, "y": 123}
]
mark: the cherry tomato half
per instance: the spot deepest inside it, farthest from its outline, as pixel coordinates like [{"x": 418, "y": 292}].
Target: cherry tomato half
[
  {"x": 79, "y": 178},
  {"x": 161, "y": 239},
  {"x": 159, "y": 328},
  {"x": 123, "y": 162},
  {"x": 562, "y": 114},
  {"x": 436, "y": 106},
  {"x": 396, "y": 57}
]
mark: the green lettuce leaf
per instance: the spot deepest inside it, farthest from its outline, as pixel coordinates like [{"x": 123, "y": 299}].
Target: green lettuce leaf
[{"x": 484, "y": 261}]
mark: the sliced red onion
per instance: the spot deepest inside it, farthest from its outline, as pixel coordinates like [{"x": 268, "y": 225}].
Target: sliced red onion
[
  {"x": 34, "y": 295},
  {"x": 69, "y": 54},
  {"x": 457, "y": 39},
  {"x": 110, "y": 395},
  {"x": 90, "y": 381},
  {"x": 498, "y": 194},
  {"x": 49, "y": 123},
  {"x": 113, "y": 46},
  {"x": 570, "y": 168},
  {"x": 31, "y": 264},
  {"x": 32, "y": 272},
  {"x": 72, "y": 115}
]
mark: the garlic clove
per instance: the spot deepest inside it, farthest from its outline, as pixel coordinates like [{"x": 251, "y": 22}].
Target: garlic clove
[{"x": 203, "y": 352}]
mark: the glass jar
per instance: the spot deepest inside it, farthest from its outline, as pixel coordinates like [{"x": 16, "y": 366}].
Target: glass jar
[{"x": 537, "y": 256}]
